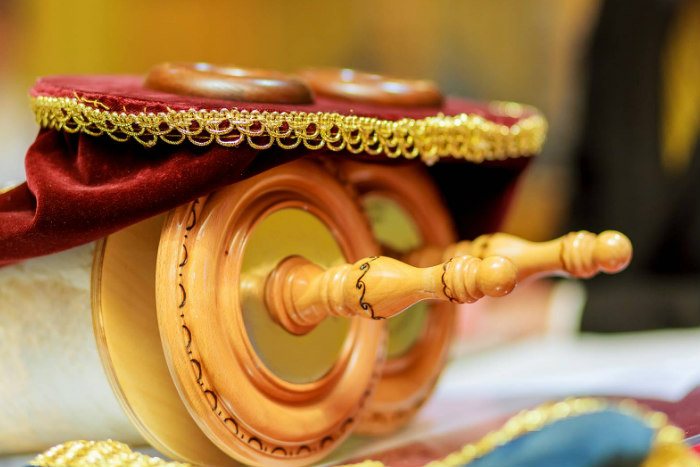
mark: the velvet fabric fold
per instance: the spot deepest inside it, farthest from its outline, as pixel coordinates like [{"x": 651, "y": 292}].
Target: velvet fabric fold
[{"x": 80, "y": 188}]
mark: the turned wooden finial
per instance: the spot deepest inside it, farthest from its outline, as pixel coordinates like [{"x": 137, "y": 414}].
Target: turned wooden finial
[
  {"x": 612, "y": 251},
  {"x": 300, "y": 294},
  {"x": 578, "y": 254}
]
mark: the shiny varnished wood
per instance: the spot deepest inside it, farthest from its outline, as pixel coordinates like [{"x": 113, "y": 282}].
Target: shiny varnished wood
[
  {"x": 372, "y": 88},
  {"x": 228, "y": 83},
  {"x": 252, "y": 412},
  {"x": 576, "y": 254},
  {"x": 301, "y": 294},
  {"x": 405, "y": 210},
  {"x": 128, "y": 341}
]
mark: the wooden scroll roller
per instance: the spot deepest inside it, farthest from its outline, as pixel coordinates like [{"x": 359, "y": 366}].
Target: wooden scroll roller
[
  {"x": 228, "y": 83},
  {"x": 372, "y": 88},
  {"x": 300, "y": 294},
  {"x": 577, "y": 254}
]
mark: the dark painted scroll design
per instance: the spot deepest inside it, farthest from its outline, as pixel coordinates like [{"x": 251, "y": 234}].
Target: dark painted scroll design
[
  {"x": 445, "y": 289},
  {"x": 362, "y": 287}
]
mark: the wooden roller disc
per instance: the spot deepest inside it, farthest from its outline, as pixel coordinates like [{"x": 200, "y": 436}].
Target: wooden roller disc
[
  {"x": 372, "y": 88},
  {"x": 228, "y": 83},
  {"x": 405, "y": 211},
  {"x": 262, "y": 394},
  {"x": 129, "y": 344}
]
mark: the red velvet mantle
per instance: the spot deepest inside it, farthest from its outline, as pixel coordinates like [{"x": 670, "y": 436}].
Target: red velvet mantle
[
  {"x": 126, "y": 93},
  {"x": 80, "y": 188}
]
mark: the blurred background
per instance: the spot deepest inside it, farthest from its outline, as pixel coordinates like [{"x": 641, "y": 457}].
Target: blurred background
[{"x": 619, "y": 83}]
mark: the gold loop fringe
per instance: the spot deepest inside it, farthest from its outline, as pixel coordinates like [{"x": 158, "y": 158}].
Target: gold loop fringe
[{"x": 465, "y": 136}]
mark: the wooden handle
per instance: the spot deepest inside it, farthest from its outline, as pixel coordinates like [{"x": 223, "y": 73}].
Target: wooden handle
[
  {"x": 578, "y": 254},
  {"x": 300, "y": 294}
]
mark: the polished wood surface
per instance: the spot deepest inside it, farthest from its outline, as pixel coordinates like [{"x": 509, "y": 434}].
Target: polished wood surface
[
  {"x": 252, "y": 412},
  {"x": 301, "y": 294},
  {"x": 128, "y": 341},
  {"x": 228, "y": 83},
  {"x": 254, "y": 399},
  {"x": 576, "y": 254},
  {"x": 406, "y": 211},
  {"x": 372, "y": 88}
]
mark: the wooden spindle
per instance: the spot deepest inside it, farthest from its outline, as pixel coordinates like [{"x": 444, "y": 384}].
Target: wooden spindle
[
  {"x": 578, "y": 254},
  {"x": 300, "y": 294}
]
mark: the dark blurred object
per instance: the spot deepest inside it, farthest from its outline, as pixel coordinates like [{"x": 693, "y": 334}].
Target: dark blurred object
[{"x": 640, "y": 74}]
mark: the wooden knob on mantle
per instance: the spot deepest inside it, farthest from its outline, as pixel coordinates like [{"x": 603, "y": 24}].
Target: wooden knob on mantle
[
  {"x": 577, "y": 254},
  {"x": 372, "y": 88},
  {"x": 300, "y": 294},
  {"x": 228, "y": 83}
]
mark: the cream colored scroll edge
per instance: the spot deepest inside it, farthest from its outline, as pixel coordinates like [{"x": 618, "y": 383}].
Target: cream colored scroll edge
[{"x": 52, "y": 385}]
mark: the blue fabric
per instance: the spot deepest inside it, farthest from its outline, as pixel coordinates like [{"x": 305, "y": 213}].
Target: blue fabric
[{"x": 602, "y": 439}]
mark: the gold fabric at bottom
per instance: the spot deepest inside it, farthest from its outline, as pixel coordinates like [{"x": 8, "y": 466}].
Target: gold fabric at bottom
[
  {"x": 671, "y": 455},
  {"x": 98, "y": 454},
  {"x": 668, "y": 449}
]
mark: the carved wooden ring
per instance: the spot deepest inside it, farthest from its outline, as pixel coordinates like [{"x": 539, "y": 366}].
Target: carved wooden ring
[
  {"x": 206, "y": 281},
  {"x": 371, "y": 88},
  {"x": 228, "y": 83},
  {"x": 409, "y": 377},
  {"x": 129, "y": 343}
]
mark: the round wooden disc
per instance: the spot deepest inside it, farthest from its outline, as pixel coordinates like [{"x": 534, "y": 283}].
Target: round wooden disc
[
  {"x": 406, "y": 212},
  {"x": 228, "y": 83},
  {"x": 262, "y": 395},
  {"x": 372, "y": 88},
  {"x": 128, "y": 341}
]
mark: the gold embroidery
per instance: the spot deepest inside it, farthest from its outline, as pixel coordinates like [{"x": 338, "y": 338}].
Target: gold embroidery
[
  {"x": 98, "y": 454},
  {"x": 671, "y": 455},
  {"x": 464, "y": 136},
  {"x": 95, "y": 102},
  {"x": 665, "y": 435},
  {"x": 668, "y": 449}
]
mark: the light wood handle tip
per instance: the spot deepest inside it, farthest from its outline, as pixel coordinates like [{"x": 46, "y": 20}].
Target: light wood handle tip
[
  {"x": 584, "y": 254},
  {"x": 579, "y": 254},
  {"x": 496, "y": 276},
  {"x": 613, "y": 251}
]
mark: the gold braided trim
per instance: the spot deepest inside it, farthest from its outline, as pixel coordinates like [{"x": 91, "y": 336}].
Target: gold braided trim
[
  {"x": 668, "y": 449},
  {"x": 468, "y": 137},
  {"x": 98, "y": 454},
  {"x": 667, "y": 438}
]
